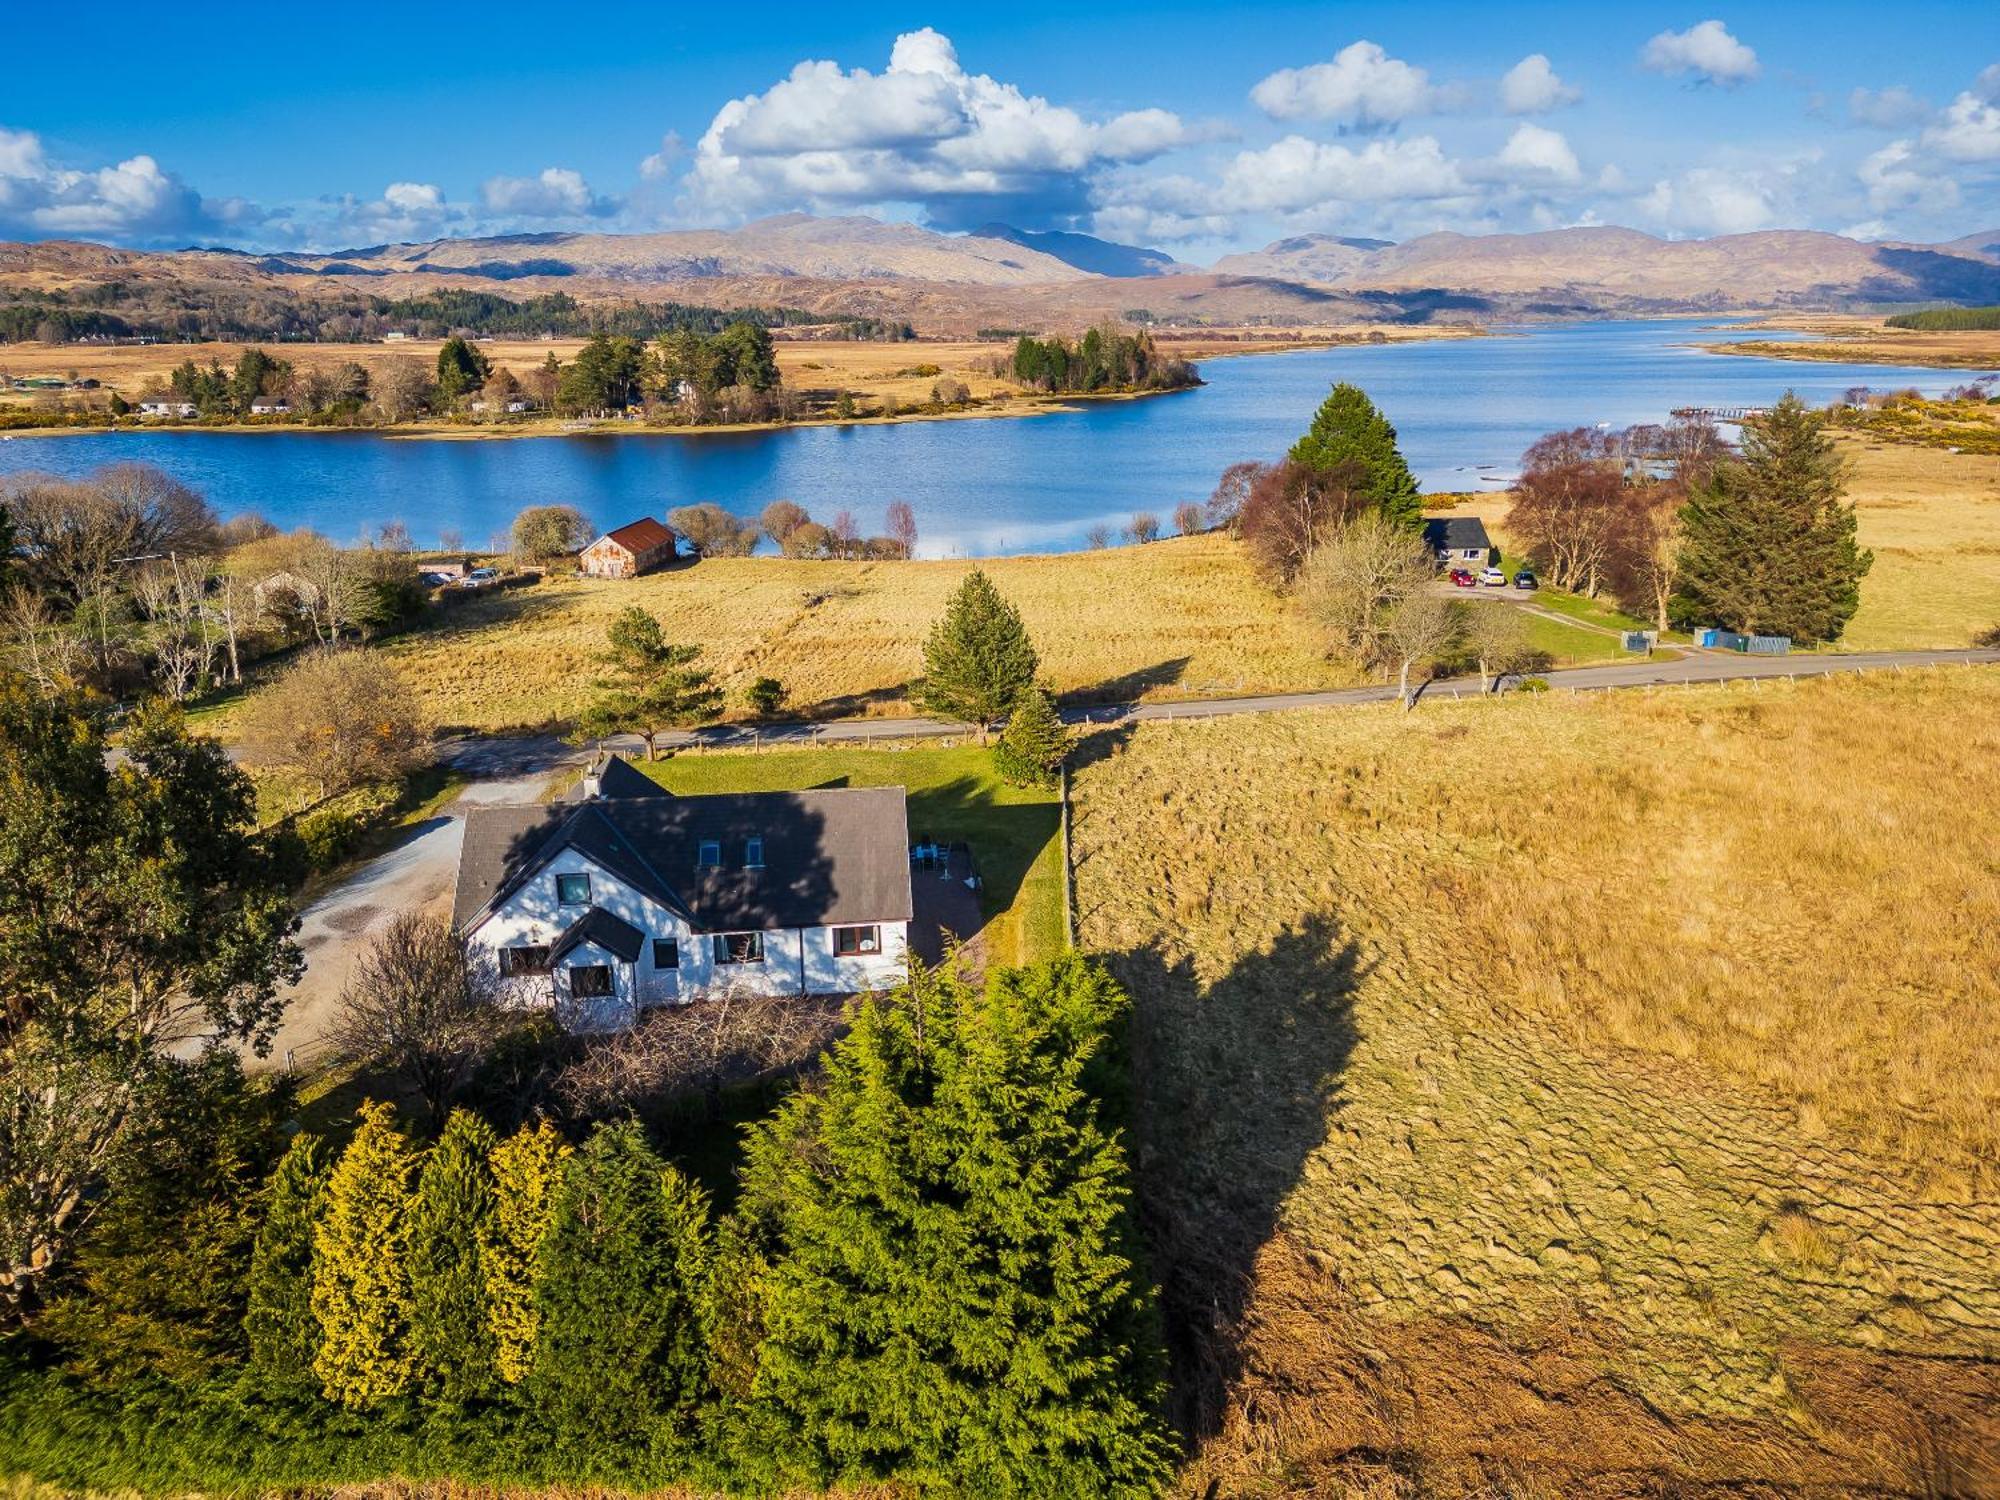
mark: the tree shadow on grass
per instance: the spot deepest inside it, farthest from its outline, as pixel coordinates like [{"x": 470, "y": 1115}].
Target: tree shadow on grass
[
  {"x": 1129, "y": 687},
  {"x": 1234, "y": 1083}
]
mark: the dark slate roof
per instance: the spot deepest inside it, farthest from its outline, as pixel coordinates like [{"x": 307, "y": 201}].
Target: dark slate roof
[
  {"x": 641, "y": 536},
  {"x": 1454, "y": 533},
  {"x": 833, "y": 856},
  {"x": 618, "y": 778},
  {"x": 607, "y": 930}
]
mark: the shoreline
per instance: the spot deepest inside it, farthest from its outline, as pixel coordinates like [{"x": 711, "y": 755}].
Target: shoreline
[
  {"x": 1832, "y": 338},
  {"x": 1024, "y": 404}
]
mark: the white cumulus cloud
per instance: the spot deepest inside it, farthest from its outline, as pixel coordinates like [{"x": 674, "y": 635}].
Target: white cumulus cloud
[
  {"x": 1535, "y": 155},
  {"x": 924, "y": 131},
  {"x": 1532, "y": 87},
  {"x": 1968, "y": 130},
  {"x": 1896, "y": 178},
  {"x": 1363, "y": 87},
  {"x": 1296, "y": 174},
  {"x": 1886, "y": 109},
  {"x": 1706, "y": 51},
  {"x": 134, "y": 199},
  {"x": 557, "y": 193},
  {"x": 1711, "y": 200}
]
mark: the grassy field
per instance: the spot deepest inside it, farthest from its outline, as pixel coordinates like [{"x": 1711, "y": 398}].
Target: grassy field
[
  {"x": 1844, "y": 339},
  {"x": 1175, "y": 618},
  {"x": 1546, "y": 1091},
  {"x": 954, "y": 794}
]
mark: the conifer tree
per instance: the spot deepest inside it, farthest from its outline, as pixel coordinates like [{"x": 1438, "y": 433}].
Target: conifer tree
[
  {"x": 361, "y": 1272},
  {"x": 952, "y": 1298},
  {"x": 619, "y": 1293},
  {"x": 652, "y": 685},
  {"x": 451, "y": 1333},
  {"x": 283, "y": 1331},
  {"x": 527, "y": 1167},
  {"x": 978, "y": 658},
  {"x": 1347, "y": 429},
  {"x": 1768, "y": 546},
  {"x": 1035, "y": 741}
]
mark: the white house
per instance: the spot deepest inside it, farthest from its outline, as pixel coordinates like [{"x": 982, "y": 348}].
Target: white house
[
  {"x": 166, "y": 408},
  {"x": 270, "y": 406},
  {"x": 626, "y": 897}
]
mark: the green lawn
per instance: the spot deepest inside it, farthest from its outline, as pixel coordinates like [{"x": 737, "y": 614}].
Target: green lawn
[{"x": 954, "y": 794}]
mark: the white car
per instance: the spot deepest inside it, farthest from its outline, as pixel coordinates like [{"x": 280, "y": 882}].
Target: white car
[{"x": 1493, "y": 578}]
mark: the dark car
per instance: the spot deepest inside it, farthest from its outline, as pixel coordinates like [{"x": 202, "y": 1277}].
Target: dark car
[
  {"x": 1463, "y": 578},
  {"x": 1525, "y": 580}
]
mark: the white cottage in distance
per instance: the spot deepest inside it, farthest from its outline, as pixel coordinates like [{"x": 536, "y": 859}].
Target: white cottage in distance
[{"x": 625, "y": 896}]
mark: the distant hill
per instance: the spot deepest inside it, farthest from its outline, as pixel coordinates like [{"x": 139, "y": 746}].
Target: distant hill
[
  {"x": 1625, "y": 270},
  {"x": 1085, "y": 252},
  {"x": 1003, "y": 277}
]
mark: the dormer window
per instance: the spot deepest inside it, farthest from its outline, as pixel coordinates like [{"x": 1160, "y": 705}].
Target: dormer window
[
  {"x": 709, "y": 856},
  {"x": 572, "y": 890},
  {"x": 753, "y": 854}
]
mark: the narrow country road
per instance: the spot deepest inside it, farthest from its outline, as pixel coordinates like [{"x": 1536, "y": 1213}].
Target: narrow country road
[{"x": 468, "y": 754}]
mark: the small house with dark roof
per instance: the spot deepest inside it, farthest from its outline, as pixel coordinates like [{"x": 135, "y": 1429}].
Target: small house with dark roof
[
  {"x": 623, "y": 896},
  {"x": 633, "y": 549},
  {"x": 1458, "y": 541}
]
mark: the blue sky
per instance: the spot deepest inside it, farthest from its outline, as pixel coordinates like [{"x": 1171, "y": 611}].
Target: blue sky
[{"x": 1199, "y": 128}]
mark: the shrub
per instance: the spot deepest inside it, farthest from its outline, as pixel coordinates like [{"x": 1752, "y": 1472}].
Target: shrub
[
  {"x": 337, "y": 718},
  {"x": 766, "y": 697},
  {"x": 283, "y": 1331},
  {"x": 544, "y": 532},
  {"x": 451, "y": 1332},
  {"x": 361, "y": 1274},
  {"x": 331, "y": 831},
  {"x": 526, "y": 1169}
]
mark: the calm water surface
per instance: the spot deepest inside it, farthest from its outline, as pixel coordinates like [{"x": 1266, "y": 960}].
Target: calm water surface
[{"x": 1465, "y": 410}]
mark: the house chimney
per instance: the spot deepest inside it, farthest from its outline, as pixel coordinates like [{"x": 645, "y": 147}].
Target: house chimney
[{"x": 593, "y": 780}]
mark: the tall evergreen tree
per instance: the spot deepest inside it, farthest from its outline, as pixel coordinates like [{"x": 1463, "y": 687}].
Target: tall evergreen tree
[
  {"x": 619, "y": 1292},
  {"x": 451, "y": 1331},
  {"x": 952, "y": 1298},
  {"x": 283, "y": 1331},
  {"x": 1035, "y": 742},
  {"x": 1769, "y": 546},
  {"x": 461, "y": 368},
  {"x": 361, "y": 1266},
  {"x": 527, "y": 1169},
  {"x": 1347, "y": 429},
  {"x": 978, "y": 658},
  {"x": 651, "y": 685}
]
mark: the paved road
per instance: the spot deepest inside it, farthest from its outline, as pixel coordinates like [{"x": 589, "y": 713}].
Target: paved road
[{"x": 545, "y": 753}]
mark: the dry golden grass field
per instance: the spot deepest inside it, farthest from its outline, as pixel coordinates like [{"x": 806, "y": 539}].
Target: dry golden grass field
[
  {"x": 1181, "y": 617},
  {"x": 1571, "y": 1094},
  {"x": 1843, "y": 338}
]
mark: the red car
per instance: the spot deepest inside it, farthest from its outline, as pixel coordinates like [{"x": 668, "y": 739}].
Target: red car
[{"x": 1462, "y": 578}]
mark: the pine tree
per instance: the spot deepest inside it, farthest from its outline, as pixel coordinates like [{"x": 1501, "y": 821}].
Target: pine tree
[
  {"x": 527, "y": 1167},
  {"x": 619, "y": 1293},
  {"x": 451, "y": 1333},
  {"x": 1034, "y": 743},
  {"x": 978, "y": 658},
  {"x": 652, "y": 686},
  {"x": 1768, "y": 546},
  {"x": 361, "y": 1272},
  {"x": 283, "y": 1330},
  {"x": 1347, "y": 429},
  {"x": 952, "y": 1298}
]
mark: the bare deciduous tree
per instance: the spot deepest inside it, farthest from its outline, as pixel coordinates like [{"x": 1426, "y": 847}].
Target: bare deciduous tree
[
  {"x": 40, "y": 646},
  {"x": 698, "y": 1050},
  {"x": 1351, "y": 583},
  {"x": 1419, "y": 630},
  {"x": 420, "y": 1003},
  {"x": 174, "y": 596},
  {"x": 1573, "y": 507},
  {"x": 1496, "y": 637},
  {"x": 338, "y": 718},
  {"x": 1291, "y": 509},
  {"x": 901, "y": 522},
  {"x": 1188, "y": 518}
]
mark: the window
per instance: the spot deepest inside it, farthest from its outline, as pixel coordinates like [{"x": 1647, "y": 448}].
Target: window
[
  {"x": 515, "y": 962},
  {"x": 852, "y": 942},
  {"x": 753, "y": 854},
  {"x": 710, "y": 856},
  {"x": 572, "y": 890},
  {"x": 739, "y": 948},
  {"x": 666, "y": 953},
  {"x": 590, "y": 982}
]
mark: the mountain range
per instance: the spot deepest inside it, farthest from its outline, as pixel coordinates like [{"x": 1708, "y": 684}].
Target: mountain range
[{"x": 1002, "y": 276}]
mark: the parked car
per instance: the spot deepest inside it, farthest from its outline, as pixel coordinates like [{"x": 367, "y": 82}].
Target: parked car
[
  {"x": 1462, "y": 578},
  {"x": 1493, "y": 578},
  {"x": 478, "y": 578},
  {"x": 1526, "y": 580}
]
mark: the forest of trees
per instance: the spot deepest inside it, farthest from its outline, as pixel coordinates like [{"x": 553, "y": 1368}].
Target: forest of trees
[
  {"x": 1947, "y": 319},
  {"x": 1104, "y": 359},
  {"x": 117, "y": 309}
]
